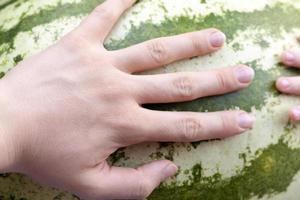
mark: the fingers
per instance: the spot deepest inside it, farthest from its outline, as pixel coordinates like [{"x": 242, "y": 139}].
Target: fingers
[
  {"x": 128, "y": 183},
  {"x": 291, "y": 58},
  {"x": 191, "y": 127},
  {"x": 289, "y": 85},
  {"x": 166, "y": 88},
  {"x": 100, "y": 22},
  {"x": 162, "y": 51}
]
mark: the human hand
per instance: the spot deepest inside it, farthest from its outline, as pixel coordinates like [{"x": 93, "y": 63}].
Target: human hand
[
  {"x": 66, "y": 109},
  {"x": 291, "y": 85}
]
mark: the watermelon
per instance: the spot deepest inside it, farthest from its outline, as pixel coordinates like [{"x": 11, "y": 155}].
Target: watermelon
[{"x": 263, "y": 163}]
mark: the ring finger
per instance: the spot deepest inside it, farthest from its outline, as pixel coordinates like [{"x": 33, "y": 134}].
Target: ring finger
[{"x": 191, "y": 127}]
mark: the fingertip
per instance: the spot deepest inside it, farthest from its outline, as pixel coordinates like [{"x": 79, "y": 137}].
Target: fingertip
[
  {"x": 288, "y": 58},
  {"x": 295, "y": 114},
  {"x": 244, "y": 74},
  {"x": 246, "y": 121},
  {"x": 217, "y": 39},
  {"x": 164, "y": 168},
  {"x": 169, "y": 170},
  {"x": 283, "y": 84}
]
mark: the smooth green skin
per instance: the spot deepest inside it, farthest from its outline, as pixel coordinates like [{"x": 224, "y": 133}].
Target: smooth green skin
[{"x": 268, "y": 174}]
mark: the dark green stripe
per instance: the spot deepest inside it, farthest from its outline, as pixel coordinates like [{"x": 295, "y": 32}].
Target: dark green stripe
[
  {"x": 7, "y": 4},
  {"x": 272, "y": 19}
]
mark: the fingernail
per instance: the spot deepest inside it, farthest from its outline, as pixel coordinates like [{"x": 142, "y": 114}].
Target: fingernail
[
  {"x": 288, "y": 57},
  {"x": 217, "y": 39},
  {"x": 170, "y": 170},
  {"x": 296, "y": 114},
  {"x": 244, "y": 74},
  {"x": 284, "y": 84},
  {"x": 246, "y": 121}
]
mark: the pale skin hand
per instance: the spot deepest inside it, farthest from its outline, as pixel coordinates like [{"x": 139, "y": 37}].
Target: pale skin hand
[
  {"x": 291, "y": 85},
  {"x": 66, "y": 109}
]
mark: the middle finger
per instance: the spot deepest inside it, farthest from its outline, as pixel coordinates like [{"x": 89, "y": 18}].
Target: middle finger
[{"x": 185, "y": 86}]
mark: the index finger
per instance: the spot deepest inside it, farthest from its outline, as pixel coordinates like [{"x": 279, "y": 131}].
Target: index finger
[{"x": 100, "y": 22}]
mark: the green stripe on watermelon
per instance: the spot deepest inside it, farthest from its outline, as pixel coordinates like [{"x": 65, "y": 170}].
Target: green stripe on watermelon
[
  {"x": 4, "y": 5},
  {"x": 270, "y": 173}
]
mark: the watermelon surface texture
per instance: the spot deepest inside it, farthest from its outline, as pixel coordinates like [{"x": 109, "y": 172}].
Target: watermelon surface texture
[{"x": 263, "y": 163}]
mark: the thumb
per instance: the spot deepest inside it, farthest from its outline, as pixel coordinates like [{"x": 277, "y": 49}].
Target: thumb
[{"x": 127, "y": 183}]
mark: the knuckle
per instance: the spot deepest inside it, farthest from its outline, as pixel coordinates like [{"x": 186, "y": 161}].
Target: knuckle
[
  {"x": 126, "y": 129},
  {"x": 222, "y": 82},
  {"x": 226, "y": 122},
  {"x": 127, "y": 124},
  {"x": 197, "y": 44},
  {"x": 191, "y": 129},
  {"x": 184, "y": 88},
  {"x": 74, "y": 42},
  {"x": 157, "y": 51}
]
